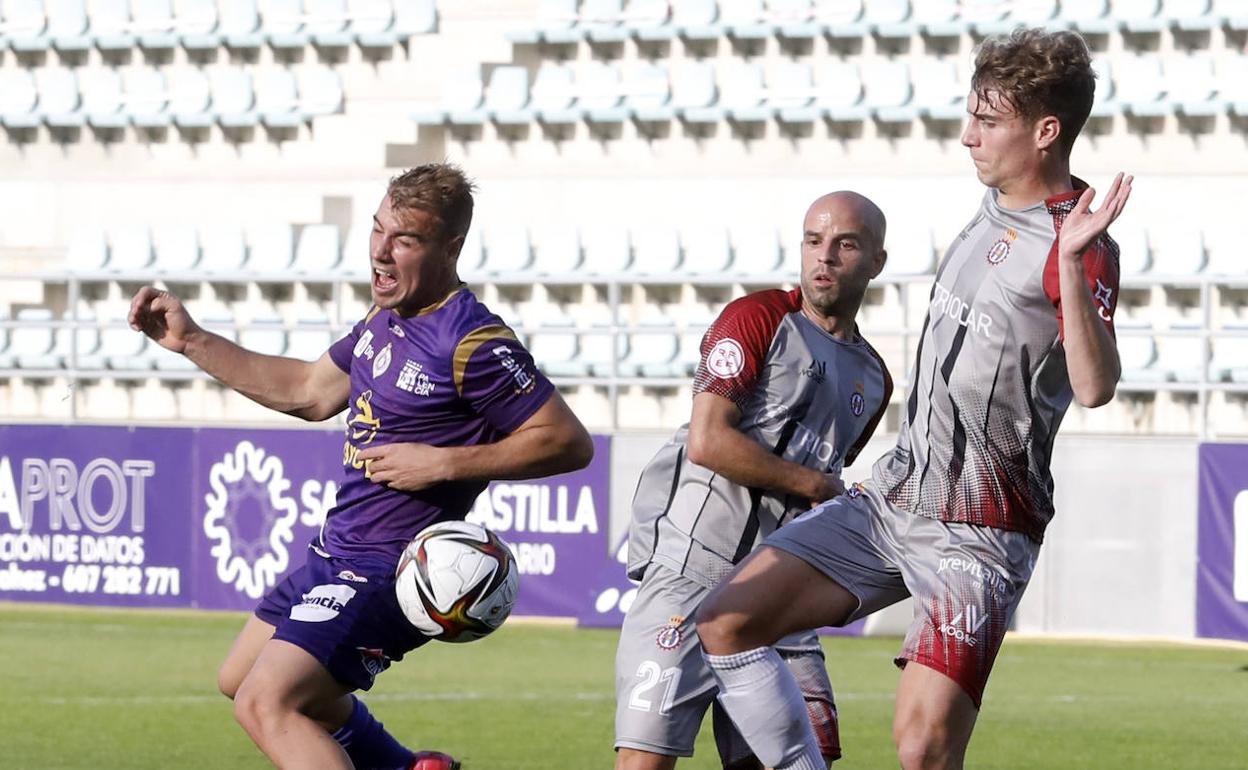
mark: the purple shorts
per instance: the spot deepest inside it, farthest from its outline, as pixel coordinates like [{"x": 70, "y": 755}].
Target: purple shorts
[{"x": 344, "y": 613}]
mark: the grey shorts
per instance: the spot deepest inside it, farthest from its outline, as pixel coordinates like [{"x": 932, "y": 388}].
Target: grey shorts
[
  {"x": 663, "y": 687},
  {"x": 966, "y": 580}
]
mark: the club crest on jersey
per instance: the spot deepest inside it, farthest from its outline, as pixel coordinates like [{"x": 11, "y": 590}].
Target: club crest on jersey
[
  {"x": 1103, "y": 296},
  {"x": 726, "y": 359},
  {"x": 347, "y": 574},
  {"x": 382, "y": 362},
  {"x": 669, "y": 637},
  {"x": 855, "y": 490},
  {"x": 374, "y": 659},
  {"x": 857, "y": 402},
  {"x": 1001, "y": 249}
]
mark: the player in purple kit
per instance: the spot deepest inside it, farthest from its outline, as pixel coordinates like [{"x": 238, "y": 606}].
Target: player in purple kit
[
  {"x": 1020, "y": 322},
  {"x": 442, "y": 399}
]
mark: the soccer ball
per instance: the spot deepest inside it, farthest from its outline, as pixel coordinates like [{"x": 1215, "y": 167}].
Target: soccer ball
[{"x": 456, "y": 581}]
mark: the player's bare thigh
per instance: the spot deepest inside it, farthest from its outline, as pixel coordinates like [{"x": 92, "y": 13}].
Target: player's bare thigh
[
  {"x": 932, "y": 720},
  {"x": 635, "y": 759},
  {"x": 770, "y": 594},
  {"x": 243, "y": 653}
]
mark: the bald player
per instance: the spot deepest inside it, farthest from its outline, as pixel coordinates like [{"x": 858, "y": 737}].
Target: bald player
[{"x": 787, "y": 393}]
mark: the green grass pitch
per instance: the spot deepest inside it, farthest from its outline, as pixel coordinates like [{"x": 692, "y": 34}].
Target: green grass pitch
[{"x": 127, "y": 689}]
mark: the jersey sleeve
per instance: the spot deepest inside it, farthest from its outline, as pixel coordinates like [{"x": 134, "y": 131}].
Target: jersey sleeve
[
  {"x": 495, "y": 374},
  {"x": 342, "y": 351},
  {"x": 735, "y": 347},
  {"x": 1100, "y": 269}
]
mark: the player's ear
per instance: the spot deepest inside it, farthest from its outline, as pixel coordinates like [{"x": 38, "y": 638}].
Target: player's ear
[
  {"x": 1048, "y": 131},
  {"x": 454, "y": 245},
  {"x": 881, "y": 259}
]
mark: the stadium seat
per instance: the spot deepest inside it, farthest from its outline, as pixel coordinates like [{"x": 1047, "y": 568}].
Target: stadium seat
[
  {"x": 18, "y": 99},
  {"x": 910, "y": 250},
  {"x": 554, "y": 93},
  {"x": 596, "y": 351},
  {"x": 838, "y": 95},
  {"x": 1183, "y": 356},
  {"x": 284, "y": 24},
  {"x": 1137, "y": 352},
  {"x": 25, "y": 25},
  {"x": 68, "y": 25},
  {"x": 601, "y": 21},
  {"x": 462, "y": 92},
  {"x": 1139, "y": 86},
  {"x": 32, "y": 347},
  {"x": 556, "y": 23},
  {"x": 308, "y": 340},
  {"x": 233, "y": 98},
  {"x": 1229, "y": 361},
  {"x": 471, "y": 254},
  {"x": 694, "y": 92},
  {"x": 122, "y": 348},
  {"x": 1178, "y": 251},
  {"x": 599, "y": 96},
  {"x": 507, "y": 96},
  {"x": 317, "y": 252},
  {"x": 889, "y": 18},
  {"x": 155, "y": 24},
  {"x": 742, "y": 95},
  {"x": 1138, "y": 16},
  {"x": 690, "y": 352},
  {"x": 415, "y": 17},
  {"x": 240, "y": 24},
  {"x": 197, "y": 26},
  {"x": 177, "y": 249},
  {"x": 706, "y": 250},
  {"x": 59, "y": 103},
  {"x": 1232, "y": 77},
  {"x": 938, "y": 18},
  {"x": 277, "y": 98},
  {"x": 372, "y": 24},
  {"x": 649, "y": 20},
  {"x": 656, "y": 250},
  {"x": 1226, "y": 244},
  {"x": 647, "y": 92},
  {"x": 270, "y": 248},
  {"x": 696, "y": 19},
  {"x": 190, "y": 99},
  {"x": 1103, "y": 103},
  {"x": 264, "y": 335},
  {"x": 652, "y": 351},
  {"x": 1087, "y": 16},
  {"x": 320, "y": 92},
  {"x": 745, "y": 19},
  {"x": 80, "y": 346},
  {"x": 1026, "y": 13},
  {"x": 795, "y": 19},
  {"x": 607, "y": 249},
  {"x": 938, "y": 92},
  {"x": 1191, "y": 85},
  {"x": 1135, "y": 257},
  {"x": 326, "y": 22},
  {"x": 507, "y": 249},
  {"x": 840, "y": 18},
  {"x": 130, "y": 249},
  {"x": 1232, "y": 13},
  {"x": 555, "y": 349},
  {"x": 110, "y": 24},
  {"x": 145, "y": 97},
  {"x": 102, "y": 98},
  {"x": 790, "y": 86},
  {"x": 87, "y": 251},
  {"x": 756, "y": 249},
  {"x": 558, "y": 253},
  {"x": 889, "y": 91}
]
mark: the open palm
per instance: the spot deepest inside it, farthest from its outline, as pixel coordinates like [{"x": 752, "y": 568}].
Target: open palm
[{"x": 1082, "y": 226}]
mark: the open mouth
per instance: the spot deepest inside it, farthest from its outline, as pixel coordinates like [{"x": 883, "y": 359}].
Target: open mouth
[{"x": 384, "y": 281}]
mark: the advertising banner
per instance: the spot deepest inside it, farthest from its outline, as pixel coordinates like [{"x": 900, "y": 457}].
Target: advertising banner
[
  {"x": 1222, "y": 543},
  {"x": 214, "y": 518}
]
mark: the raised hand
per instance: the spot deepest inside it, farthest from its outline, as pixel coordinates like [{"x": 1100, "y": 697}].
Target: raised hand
[
  {"x": 1082, "y": 226},
  {"x": 162, "y": 316}
]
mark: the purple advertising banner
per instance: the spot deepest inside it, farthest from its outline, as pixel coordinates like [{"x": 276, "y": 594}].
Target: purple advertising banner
[
  {"x": 213, "y": 518},
  {"x": 1222, "y": 543}
]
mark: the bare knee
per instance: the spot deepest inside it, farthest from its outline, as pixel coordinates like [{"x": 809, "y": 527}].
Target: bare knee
[
  {"x": 923, "y": 746},
  {"x": 255, "y": 709},
  {"x": 721, "y": 631}
]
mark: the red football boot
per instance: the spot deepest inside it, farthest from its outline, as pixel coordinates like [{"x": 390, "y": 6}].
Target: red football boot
[{"x": 432, "y": 760}]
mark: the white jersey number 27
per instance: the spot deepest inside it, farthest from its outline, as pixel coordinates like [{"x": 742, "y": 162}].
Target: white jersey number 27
[{"x": 651, "y": 674}]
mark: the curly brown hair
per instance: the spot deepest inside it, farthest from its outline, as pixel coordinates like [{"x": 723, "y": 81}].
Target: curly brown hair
[
  {"x": 440, "y": 189},
  {"x": 1037, "y": 73}
]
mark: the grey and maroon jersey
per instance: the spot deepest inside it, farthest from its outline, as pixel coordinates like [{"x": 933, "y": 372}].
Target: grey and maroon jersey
[
  {"x": 452, "y": 375},
  {"x": 989, "y": 386},
  {"x": 803, "y": 394}
]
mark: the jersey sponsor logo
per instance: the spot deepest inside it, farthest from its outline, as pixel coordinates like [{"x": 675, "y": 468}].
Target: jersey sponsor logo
[
  {"x": 364, "y": 345},
  {"x": 322, "y": 603},
  {"x": 810, "y": 442},
  {"x": 523, "y": 377},
  {"x": 946, "y": 303},
  {"x": 964, "y": 626},
  {"x": 983, "y": 576},
  {"x": 1103, "y": 295},
  {"x": 670, "y": 637},
  {"x": 347, "y": 574},
  {"x": 817, "y": 371},
  {"x": 362, "y": 427},
  {"x": 1001, "y": 249},
  {"x": 726, "y": 359},
  {"x": 374, "y": 659},
  {"x": 382, "y": 362},
  {"x": 413, "y": 379}
]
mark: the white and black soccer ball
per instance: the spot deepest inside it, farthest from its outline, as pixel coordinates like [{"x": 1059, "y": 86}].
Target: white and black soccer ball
[{"x": 456, "y": 581}]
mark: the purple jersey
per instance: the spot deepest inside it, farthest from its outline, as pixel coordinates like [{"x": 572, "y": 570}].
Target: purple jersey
[{"x": 452, "y": 375}]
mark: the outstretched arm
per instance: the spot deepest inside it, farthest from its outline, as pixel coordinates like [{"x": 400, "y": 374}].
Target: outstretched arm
[
  {"x": 1091, "y": 355},
  {"x": 550, "y": 442},
  {"x": 312, "y": 391},
  {"x": 717, "y": 444}
]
